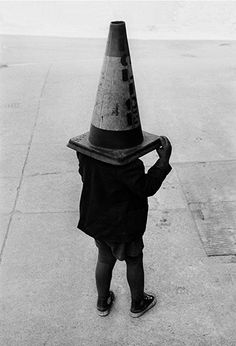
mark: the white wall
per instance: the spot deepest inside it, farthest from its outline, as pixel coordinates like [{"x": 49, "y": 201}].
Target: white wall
[{"x": 144, "y": 19}]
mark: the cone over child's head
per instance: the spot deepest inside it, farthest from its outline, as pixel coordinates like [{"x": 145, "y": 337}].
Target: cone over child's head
[{"x": 115, "y": 134}]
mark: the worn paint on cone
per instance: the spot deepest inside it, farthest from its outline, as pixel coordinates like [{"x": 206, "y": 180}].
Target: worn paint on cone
[
  {"x": 115, "y": 134},
  {"x": 115, "y": 122}
]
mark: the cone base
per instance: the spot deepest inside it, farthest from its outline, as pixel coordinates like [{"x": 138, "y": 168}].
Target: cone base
[{"x": 114, "y": 156}]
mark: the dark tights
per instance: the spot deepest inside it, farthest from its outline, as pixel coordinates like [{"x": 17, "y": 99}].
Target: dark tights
[
  {"x": 135, "y": 275},
  {"x": 103, "y": 275}
]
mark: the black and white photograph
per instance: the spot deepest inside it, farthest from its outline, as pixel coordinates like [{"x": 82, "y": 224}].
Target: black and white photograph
[{"x": 118, "y": 173}]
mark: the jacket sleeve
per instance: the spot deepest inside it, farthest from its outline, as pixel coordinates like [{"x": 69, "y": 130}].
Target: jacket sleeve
[
  {"x": 143, "y": 185},
  {"x": 80, "y": 158}
]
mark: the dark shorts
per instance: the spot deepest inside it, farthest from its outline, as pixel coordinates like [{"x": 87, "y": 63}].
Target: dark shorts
[{"x": 120, "y": 250}]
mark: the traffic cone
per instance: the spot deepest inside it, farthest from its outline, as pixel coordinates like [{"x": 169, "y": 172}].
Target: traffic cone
[{"x": 115, "y": 134}]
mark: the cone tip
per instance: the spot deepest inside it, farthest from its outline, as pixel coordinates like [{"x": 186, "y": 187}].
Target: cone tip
[
  {"x": 117, "y": 26},
  {"x": 118, "y": 22}
]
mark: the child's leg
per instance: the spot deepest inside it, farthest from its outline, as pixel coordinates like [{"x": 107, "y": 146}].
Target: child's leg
[
  {"x": 103, "y": 273},
  {"x": 135, "y": 277},
  {"x": 141, "y": 301}
]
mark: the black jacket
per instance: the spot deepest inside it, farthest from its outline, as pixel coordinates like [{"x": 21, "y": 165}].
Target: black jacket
[{"x": 113, "y": 204}]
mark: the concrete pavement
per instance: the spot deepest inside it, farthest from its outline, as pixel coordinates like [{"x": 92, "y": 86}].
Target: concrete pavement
[{"x": 186, "y": 90}]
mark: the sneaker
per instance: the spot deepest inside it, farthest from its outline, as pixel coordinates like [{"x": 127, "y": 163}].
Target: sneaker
[
  {"x": 148, "y": 301},
  {"x": 104, "y": 307}
]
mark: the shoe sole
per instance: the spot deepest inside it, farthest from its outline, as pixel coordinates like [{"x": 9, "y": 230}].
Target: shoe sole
[
  {"x": 138, "y": 314},
  {"x": 103, "y": 313}
]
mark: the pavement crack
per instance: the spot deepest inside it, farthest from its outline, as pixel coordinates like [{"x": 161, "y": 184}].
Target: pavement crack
[
  {"x": 47, "y": 173},
  {"x": 25, "y": 162}
]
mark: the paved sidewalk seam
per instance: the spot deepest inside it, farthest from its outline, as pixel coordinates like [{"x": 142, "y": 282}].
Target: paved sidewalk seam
[
  {"x": 190, "y": 212},
  {"x": 48, "y": 173},
  {"x": 24, "y": 165},
  {"x": 45, "y": 212},
  {"x": 202, "y": 162}
]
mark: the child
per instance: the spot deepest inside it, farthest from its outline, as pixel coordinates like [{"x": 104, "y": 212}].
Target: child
[{"x": 113, "y": 210}]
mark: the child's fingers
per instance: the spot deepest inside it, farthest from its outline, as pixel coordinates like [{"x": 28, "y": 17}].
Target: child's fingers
[
  {"x": 165, "y": 142},
  {"x": 162, "y": 139}
]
